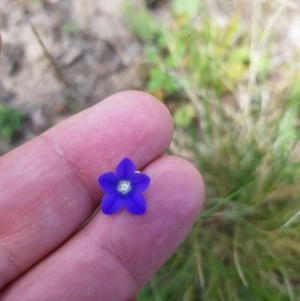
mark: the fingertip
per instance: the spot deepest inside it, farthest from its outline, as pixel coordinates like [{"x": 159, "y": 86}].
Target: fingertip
[
  {"x": 130, "y": 124},
  {"x": 179, "y": 188},
  {"x": 140, "y": 96},
  {"x": 133, "y": 102}
]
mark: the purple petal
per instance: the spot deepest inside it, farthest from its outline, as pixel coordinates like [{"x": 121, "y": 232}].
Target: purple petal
[
  {"x": 112, "y": 203},
  {"x": 108, "y": 181},
  {"x": 140, "y": 182},
  {"x": 125, "y": 169},
  {"x": 135, "y": 203}
]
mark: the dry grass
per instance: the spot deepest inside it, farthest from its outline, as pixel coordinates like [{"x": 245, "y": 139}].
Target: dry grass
[{"x": 238, "y": 70}]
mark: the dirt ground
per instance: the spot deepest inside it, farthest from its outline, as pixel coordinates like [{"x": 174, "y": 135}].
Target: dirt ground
[{"x": 89, "y": 42}]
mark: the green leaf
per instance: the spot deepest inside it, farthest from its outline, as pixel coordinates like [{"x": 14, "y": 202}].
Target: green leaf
[
  {"x": 188, "y": 8},
  {"x": 151, "y": 54},
  {"x": 69, "y": 27},
  {"x": 263, "y": 66},
  {"x": 10, "y": 122},
  {"x": 184, "y": 115},
  {"x": 241, "y": 54},
  {"x": 142, "y": 24}
]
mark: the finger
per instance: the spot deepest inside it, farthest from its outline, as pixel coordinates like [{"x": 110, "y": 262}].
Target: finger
[
  {"x": 114, "y": 256},
  {"x": 49, "y": 186}
]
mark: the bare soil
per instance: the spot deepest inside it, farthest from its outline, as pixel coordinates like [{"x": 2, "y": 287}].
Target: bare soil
[{"x": 60, "y": 57}]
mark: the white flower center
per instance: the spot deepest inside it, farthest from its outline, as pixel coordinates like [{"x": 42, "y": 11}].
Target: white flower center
[{"x": 124, "y": 187}]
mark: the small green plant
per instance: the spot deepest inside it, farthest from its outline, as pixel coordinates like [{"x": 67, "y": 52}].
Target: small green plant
[
  {"x": 69, "y": 27},
  {"x": 245, "y": 244},
  {"x": 10, "y": 122}
]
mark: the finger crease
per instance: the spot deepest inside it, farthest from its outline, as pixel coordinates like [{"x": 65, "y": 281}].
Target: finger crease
[
  {"x": 9, "y": 261},
  {"x": 73, "y": 168},
  {"x": 125, "y": 265}
]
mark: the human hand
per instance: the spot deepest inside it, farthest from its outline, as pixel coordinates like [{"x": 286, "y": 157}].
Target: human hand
[{"x": 48, "y": 188}]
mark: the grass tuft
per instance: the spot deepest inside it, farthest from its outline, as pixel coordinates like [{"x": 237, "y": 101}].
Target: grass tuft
[{"x": 237, "y": 111}]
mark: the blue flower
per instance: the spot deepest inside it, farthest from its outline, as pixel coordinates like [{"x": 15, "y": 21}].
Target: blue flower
[{"x": 124, "y": 188}]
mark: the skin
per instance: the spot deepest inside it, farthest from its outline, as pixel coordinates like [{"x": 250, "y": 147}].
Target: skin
[{"x": 48, "y": 189}]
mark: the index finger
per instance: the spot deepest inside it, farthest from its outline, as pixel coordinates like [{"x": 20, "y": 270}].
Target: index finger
[{"x": 48, "y": 186}]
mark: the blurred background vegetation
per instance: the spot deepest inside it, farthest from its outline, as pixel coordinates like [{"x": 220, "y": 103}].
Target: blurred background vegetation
[{"x": 229, "y": 73}]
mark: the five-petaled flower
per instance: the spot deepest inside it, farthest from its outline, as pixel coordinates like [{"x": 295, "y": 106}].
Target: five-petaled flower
[{"x": 124, "y": 188}]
